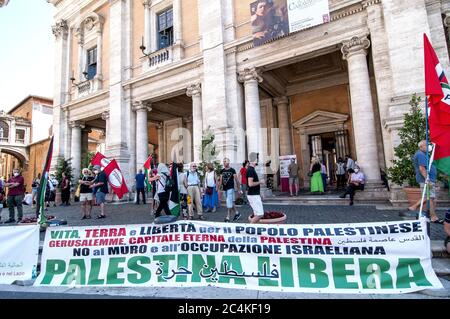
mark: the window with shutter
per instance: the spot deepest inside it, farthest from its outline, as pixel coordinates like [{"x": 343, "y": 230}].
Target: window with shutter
[
  {"x": 165, "y": 29},
  {"x": 92, "y": 63}
]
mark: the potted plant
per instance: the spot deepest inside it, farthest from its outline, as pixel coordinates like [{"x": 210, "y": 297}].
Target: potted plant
[
  {"x": 413, "y": 131},
  {"x": 271, "y": 218}
]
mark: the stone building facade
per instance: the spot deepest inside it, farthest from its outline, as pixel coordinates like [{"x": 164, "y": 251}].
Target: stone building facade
[{"x": 335, "y": 89}]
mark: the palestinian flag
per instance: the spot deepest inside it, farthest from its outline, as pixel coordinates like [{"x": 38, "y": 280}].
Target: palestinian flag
[
  {"x": 437, "y": 90},
  {"x": 174, "y": 201},
  {"x": 147, "y": 169},
  {"x": 40, "y": 200}
]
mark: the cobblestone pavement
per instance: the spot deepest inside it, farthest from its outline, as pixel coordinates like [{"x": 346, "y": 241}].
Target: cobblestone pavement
[{"x": 129, "y": 213}]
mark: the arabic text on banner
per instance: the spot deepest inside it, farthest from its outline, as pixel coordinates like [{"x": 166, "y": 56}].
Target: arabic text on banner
[
  {"x": 392, "y": 257},
  {"x": 18, "y": 253}
]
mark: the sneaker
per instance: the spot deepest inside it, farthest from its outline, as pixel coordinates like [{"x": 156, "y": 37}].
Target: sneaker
[
  {"x": 214, "y": 210},
  {"x": 201, "y": 217},
  {"x": 237, "y": 217},
  {"x": 9, "y": 221},
  {"x": 351, "y": 204},
  {"x": 19, "y": 220},
  {"x": 343, "y": 196},
  {"x": 227, "y": 220}
]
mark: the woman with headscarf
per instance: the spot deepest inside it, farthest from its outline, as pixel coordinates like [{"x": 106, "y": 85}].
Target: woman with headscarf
[
  {"x": 163, "y": 196},
  {"x": 316, "y": 177}
]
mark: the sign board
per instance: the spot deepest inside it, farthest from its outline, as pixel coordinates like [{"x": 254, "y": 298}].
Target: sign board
[
  {"x": 371, "y": 258},
  {"x": 273, "y": 19},
  {"x": 18, "y": 253}
]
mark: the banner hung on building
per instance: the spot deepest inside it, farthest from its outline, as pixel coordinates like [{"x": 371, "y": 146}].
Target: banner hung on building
[
  {"x": 272, "y": 19},
  {"x": 373, "y": 258},
  {"x": 18, "y": 253}
]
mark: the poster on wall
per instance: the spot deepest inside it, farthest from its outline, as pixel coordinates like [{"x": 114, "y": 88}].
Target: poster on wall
[
  {"x": 370, "y": 258},
  {"x": 272, "y": 19},
  {"x": 18, "y": 253}
]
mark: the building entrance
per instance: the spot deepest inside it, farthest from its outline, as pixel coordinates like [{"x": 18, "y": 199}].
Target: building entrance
[{"x": 328, "y": 147}]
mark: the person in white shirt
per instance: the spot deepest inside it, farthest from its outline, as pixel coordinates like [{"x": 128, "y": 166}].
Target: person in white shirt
[
  {"x": 211, "y": 198},
  {"x": 192, "y": 183},
  {"x": 183, "y": 190},
  {"x": 356, "y": 182}
]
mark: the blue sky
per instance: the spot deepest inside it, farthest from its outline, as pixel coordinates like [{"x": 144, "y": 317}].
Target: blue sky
[{"x": 26, "y": 51}]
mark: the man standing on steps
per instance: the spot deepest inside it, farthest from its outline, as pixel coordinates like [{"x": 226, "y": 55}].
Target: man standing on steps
[
  {"x": 140, "y": 187},
  {"x": 254, "y": 189},
  {"x": 293, "y": 177},
  {"x": 229, "y": 181}
]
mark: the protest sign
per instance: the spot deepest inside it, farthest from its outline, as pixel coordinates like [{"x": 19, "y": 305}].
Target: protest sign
[{"x": 392, "y": 257}]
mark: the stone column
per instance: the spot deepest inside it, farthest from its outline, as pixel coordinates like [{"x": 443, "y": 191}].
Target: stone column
[
  {"x": 76, "y": 147},
  {"x": 60, "y": 30},
  {"x": 85, "y": 142},
  {"x": 355, "y": 52},
  {"x": 187, "y": 139},
  {"x": 147, "y": 24},
  {"x": 284, "y": 126},
  {"x": 195, "y": 91},
  {"x": 67, "y": 134},
  {"x": 251, "y": 78},
  {"x": 105, "y": 117},
  {"x": 141, "y": 109},
  {"x": 161, "y": 146},
  {"x": 99, "y": 75}
]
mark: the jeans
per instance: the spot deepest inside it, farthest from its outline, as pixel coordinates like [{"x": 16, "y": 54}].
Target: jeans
[
  {"x": 18, "y": 201},
  {"x": 140, "y": 191},
  {"x": 340, "y": 181},
  {"x": 244, "y": 189},
  {"x": 351, "y": 190}
]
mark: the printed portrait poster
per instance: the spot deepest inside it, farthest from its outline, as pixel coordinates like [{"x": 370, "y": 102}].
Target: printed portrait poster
[{"x": 269, "y": 20}]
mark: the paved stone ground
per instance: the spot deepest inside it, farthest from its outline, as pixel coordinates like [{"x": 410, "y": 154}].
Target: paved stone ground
[{"x": 129, "y": 213}]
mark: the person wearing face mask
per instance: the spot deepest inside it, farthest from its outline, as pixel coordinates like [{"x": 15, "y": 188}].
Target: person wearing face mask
[
  {"x": 100, "y": 186},
  {"x": 86, "y": 194},
  {"x": 15, "y": 196},
  {"x": 356, "y": 182}
]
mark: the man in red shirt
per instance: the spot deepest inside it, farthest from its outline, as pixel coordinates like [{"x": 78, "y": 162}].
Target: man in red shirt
[
  {"x": 15, "y": 196},
  {"x": 243, "y": 175}
]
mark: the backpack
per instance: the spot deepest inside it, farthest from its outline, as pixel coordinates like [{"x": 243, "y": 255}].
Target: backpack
[{"x": 168, "y": 187}]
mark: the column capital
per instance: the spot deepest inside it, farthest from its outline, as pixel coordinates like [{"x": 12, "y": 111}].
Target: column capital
[
  {"x": 248, "y": 75},
  {"x": 105, "y": 116},
  {"x": 447, "y": 18},
  {"x": 356, "y": 45},
  {"x": 60, "y": 29},
  {"x": 139, "y": 106},
  {"x": 281, "y": 100},
  {"x": 194, "y": 90},
  {"x": 77, "y": 124},
  {"x": 147, "y": 3}
]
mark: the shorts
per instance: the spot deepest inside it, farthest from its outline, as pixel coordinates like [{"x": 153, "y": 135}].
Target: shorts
[
  {"x": 293, "y": 180},
  {"x": 431, "y": 188},
  {"x": 86, "y": 197},
  {"x": 256, "y": 204},
  {"x": 230, "y": 195},
  {"x": 100, "y": 198}
]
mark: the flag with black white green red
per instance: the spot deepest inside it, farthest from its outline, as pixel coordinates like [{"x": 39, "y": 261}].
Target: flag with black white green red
[
  {"x": 147, "y": 169},
  {"x": 174, "y": 199},
  {"x": 437, "y": 90},
  {"x": 40, "y": 200}
]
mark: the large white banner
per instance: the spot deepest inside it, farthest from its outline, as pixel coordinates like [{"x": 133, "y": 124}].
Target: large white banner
[
  {"x": 19, "y": 251},
  {"x": 375, "y": 258},
  {"x": 307, "y": 13}
]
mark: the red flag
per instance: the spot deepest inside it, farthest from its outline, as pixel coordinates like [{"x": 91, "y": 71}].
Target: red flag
[
  {"x": 100, "y": 159},
  {"x": 116, "y": 179},
  {"x": 148, "y": 163},
  {"x": 438, "y": 91}
]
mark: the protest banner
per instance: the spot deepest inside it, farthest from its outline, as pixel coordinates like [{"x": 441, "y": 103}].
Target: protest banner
[
  {"x": 375, "y": 258},
  {"x": 18, "y": 253}
]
